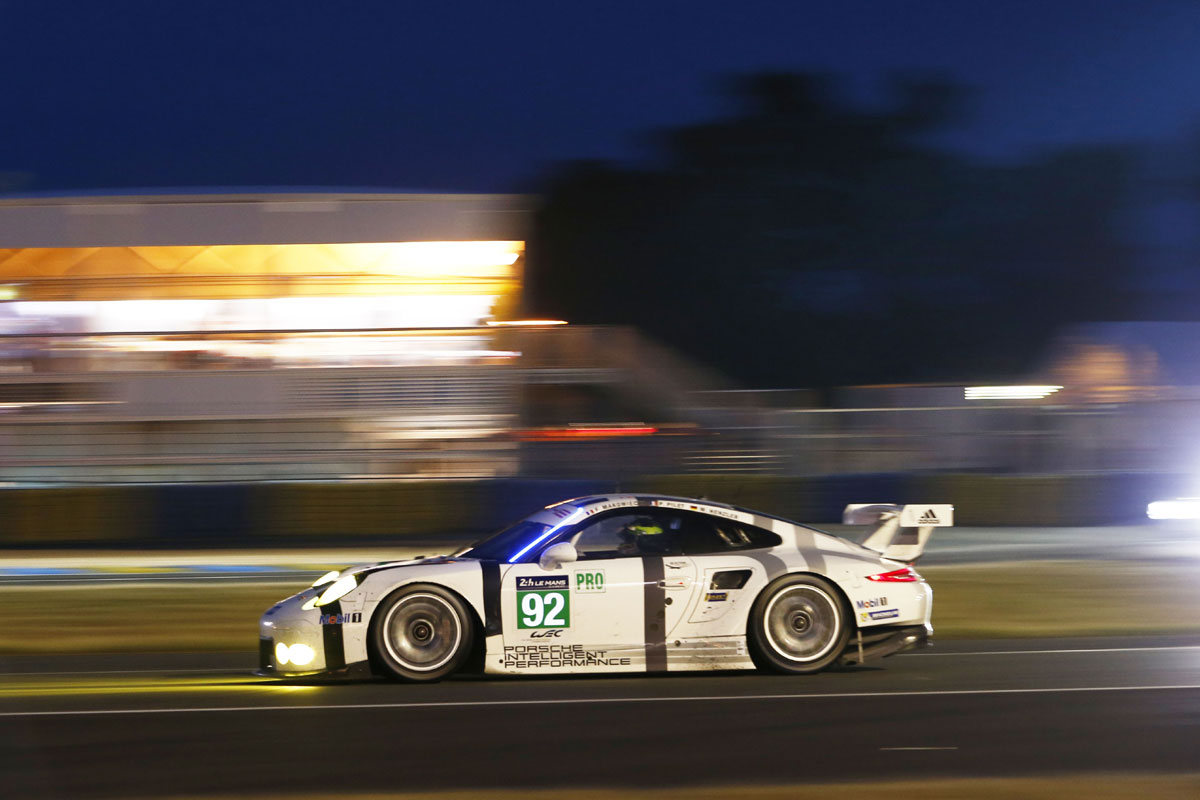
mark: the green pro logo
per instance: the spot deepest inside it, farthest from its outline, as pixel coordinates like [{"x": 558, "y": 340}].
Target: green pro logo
[{"x": 591, "y": 582}]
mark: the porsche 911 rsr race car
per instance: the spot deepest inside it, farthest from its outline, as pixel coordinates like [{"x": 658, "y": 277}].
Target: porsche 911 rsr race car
[{"x": 621, "y": 583}]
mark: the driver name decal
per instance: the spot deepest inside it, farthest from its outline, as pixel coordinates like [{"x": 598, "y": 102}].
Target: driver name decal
[
  {"x": 609, "y": 505},
  {"x": 715, "y": 511}
]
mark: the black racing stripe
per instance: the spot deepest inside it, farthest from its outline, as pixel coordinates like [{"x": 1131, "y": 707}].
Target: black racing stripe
[
  {"x": 331, "y": 638},
  {"x": 775, "y": 566},
  {"x": 655, "y": 595},
  {"x": 807, "y": 542},
  {"x": 266, "y": 653},
  {"x": 492, "y": 623}
]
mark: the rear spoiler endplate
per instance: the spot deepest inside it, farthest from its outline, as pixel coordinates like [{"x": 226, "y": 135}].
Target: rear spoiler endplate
[{"x": 902, "y": 531}]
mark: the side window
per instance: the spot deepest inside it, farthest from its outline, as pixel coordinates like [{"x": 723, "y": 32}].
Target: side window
[
  {"x": 713, "y": 535},
  {"x": 636, "y": 533},
  {"x": 760, "y": 537}
]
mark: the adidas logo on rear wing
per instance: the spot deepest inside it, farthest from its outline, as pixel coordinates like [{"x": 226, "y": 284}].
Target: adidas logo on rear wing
[
  {"x": 911, "y": 516},
  {"x": 926, "y": 516}
]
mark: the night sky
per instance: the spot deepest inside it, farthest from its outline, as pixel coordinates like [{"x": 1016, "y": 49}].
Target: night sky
[{"x": 486, "y": 96}]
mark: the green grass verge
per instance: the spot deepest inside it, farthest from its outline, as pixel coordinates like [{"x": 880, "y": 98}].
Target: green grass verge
[
  {"x": 1062, "y": 598},
  {"x": 990, "y": 600},
  {"x": 135, "y": 618}
]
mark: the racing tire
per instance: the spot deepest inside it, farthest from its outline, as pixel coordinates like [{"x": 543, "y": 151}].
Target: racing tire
[
  {"x": 421, "y": 633},
  {"x": 799, "y": 625}
]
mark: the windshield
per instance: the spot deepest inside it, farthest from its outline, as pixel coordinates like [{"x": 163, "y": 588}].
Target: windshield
[{"x": 507, "y": 543}]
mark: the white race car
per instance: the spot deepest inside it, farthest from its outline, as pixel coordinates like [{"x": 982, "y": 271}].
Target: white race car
[{"x": 621, "y": 583}]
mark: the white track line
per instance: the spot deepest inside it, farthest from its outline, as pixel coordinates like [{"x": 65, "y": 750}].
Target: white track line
[
  {"x": 906, "y": 749},
  {"x": 906, "y": 655},
  {"x": 1080, "y": 650},
  {"x": 595, "y": 700},
  {"x": 969, "y": 653}
]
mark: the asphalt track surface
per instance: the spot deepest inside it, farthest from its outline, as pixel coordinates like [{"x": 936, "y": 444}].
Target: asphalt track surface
[{"x": 130, "y": 726}]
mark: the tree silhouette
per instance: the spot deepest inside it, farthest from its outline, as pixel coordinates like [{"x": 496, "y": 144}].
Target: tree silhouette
[{"x": 803, "y": 242}]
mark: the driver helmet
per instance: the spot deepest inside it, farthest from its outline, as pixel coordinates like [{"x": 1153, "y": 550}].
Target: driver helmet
[{"x": 644, "y": 526}]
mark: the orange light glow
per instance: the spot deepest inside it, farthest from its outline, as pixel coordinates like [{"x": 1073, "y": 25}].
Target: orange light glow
[
  {"x": 577, "y": 433},
  {"x": 259, "y": 271}
]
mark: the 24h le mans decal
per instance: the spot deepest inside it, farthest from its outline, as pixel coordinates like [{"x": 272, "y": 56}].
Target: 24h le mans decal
[{"x": 543, "y": 602}]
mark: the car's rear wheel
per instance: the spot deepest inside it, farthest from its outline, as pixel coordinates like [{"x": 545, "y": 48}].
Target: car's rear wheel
[
  {"x": 799, "y": 624},
  {"x": 421, "y": 633}
]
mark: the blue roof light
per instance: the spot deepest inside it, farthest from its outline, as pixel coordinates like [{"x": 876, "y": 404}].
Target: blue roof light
[{"x": 545, "y": 536}]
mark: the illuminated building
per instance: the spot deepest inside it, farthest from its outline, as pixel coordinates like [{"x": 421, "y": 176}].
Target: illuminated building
[{"x": 260, "y": 263}]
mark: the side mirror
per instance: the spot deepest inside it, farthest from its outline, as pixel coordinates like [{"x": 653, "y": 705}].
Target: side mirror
[{"x": 557, "y": 554}]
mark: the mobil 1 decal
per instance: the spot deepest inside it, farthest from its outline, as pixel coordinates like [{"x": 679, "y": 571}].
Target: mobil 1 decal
[{"x": 543, "y": 601}]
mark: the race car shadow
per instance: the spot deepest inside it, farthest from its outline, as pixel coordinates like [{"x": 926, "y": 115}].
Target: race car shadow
[
  {"x": 853, "y": 668},
  {"x": 329, "y": 680},
  {"x": 480, "y": 677},
  {"x": 682, "y": 675}
]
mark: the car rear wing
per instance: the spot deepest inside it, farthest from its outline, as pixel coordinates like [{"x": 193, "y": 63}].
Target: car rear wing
[{"x": 902, "y": 531}]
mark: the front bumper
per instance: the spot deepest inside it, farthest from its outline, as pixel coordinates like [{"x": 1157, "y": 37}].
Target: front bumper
[
  {"x": 294, "y": 642},
  {"x": 267, "y": 668}
]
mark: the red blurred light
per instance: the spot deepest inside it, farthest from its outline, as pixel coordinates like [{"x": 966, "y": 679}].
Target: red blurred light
[
  {"x": 600, "y": 432},
  {"x": 905, "y": 575}
]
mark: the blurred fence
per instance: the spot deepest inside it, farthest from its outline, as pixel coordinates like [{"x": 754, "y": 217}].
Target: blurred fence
[
  {"x": 466, "y": 421},
  {"x": 1149, "y": 435},
  {"x": 255, "y": 424},
  {"x": 333, "y": 513}
]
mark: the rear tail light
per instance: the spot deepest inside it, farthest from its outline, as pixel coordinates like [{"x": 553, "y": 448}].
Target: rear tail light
[{"x": 905, "y": 575}]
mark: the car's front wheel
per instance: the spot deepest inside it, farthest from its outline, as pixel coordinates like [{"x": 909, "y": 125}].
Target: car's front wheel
[
  {"x": 798, "y": 624},
  {"x": 421, "y": 633}
]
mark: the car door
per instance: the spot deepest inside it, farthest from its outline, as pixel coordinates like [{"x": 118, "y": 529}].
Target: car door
[
  {"x": 609, "y": 611},
  {"x": 644, "y": 546},
  {"x": 578, "y": 617}
]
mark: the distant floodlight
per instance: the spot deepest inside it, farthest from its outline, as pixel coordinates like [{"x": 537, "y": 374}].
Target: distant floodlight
[
  {"x": 1009, "y": 392},
  {"x": 513, "y": 323},
  {"x": 1182, "y": 508}
]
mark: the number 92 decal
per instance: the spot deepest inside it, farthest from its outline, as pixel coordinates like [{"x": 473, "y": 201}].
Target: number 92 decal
[{"x": 545, "y": 609}]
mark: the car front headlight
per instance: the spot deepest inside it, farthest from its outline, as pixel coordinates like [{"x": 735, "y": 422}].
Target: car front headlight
[
  {"x": 339, "y": 589},
  {"x": 328, "y": 577}
]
